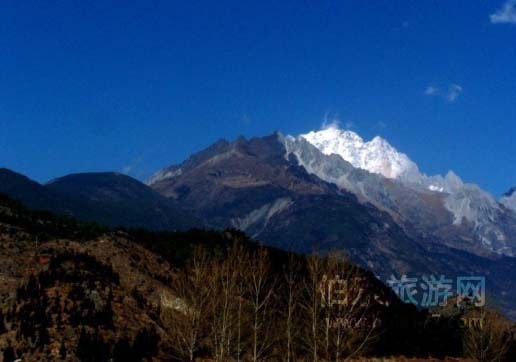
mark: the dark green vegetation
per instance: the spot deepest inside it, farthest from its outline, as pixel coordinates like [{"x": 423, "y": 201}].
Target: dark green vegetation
[{"x": 80, "y": 292}]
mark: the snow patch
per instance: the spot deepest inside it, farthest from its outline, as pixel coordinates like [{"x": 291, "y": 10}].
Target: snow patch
[
  {"x": 163, "y": 175},
  {"x": 262, "y": 215}
]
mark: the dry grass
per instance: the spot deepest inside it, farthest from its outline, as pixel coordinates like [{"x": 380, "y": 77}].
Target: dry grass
[{"x": 406, "y": 359}]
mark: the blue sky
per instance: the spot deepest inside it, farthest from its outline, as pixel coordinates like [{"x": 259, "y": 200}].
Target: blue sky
[{"x": 136, "y": 86}]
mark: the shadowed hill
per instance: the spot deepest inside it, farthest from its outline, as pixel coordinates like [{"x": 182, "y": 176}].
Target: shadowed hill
[{"x": 111, "y": 199}]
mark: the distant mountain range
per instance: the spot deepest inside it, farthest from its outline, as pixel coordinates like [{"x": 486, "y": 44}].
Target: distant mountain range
[{"x": 321, "y": 191}]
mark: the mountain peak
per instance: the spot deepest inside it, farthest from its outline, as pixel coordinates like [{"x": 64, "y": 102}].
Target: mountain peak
[
  {"x": 375, "y": 156},
  {"x": 329, "y": 135}
]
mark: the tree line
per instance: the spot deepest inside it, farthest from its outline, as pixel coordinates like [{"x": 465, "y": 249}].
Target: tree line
[{"x": 236, "y": 306}]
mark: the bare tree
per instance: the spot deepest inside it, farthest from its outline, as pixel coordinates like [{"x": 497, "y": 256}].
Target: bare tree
[
  {"x": 487, "y": 339},
  {"x": 231, "y": 284},
  {"x": 292, "y": 294},
  {"x": 234, "y": 308},
  {"x": 262, "y": 286},
  {"x": 241, "y": 259},
  {"x": 338, "y": 309},
  {"x": 224, "y": 283},
  {"x": 191, "y": 306},
  {"x": 311, "y": 305},
  {"x": 361, "y": 325}
]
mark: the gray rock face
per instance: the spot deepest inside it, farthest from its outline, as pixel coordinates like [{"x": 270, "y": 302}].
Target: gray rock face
[
  {"x": 287, "y": 193},
  {"x": 439, "y": 209},
  {"x": 458, "y": 214}
]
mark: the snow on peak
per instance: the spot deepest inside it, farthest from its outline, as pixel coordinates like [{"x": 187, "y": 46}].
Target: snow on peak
[
  {"x": 376, "y": 156},
  {"x": 436, "y": 188},
  {"x": 465, "y": 202},
  {"x": 379, "y": 157},
  {"x": 163, "y": 175}
]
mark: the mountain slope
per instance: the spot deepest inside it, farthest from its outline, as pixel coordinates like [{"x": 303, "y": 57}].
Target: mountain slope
[
  {"x": 457, "y": 214},
  {"x": 117, "y": 296},
  {"x": 70, "y": 298},
  {"x": 252, "y": 186},
  {"x": 111, "y": 199},
  {"x": 118, "y": 200},
  {"x": 301, "y": 199},
  {"x": 33, "y": 194}
]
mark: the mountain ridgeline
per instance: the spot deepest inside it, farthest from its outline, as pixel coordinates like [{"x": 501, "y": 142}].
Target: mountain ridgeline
[
  {"x": 112, "y": 199},
  {"x": 321, "y": 192},
  {"x": 288, "y": 193}
]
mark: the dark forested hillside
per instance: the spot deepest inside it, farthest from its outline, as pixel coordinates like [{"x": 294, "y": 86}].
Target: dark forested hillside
[{"x": 79, "y": 292}]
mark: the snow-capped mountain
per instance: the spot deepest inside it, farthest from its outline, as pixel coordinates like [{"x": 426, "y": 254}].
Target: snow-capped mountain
[
  {"x": 284, "y": 191},
  {"x": 441, "y": 208},
  {"x": 377, "y": 173},
  {"x": 379, "y": 157},
  {"x": 376, "y": 156}
]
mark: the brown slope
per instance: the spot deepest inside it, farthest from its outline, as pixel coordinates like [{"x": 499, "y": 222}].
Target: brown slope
[{"x": 109, "y": 289}]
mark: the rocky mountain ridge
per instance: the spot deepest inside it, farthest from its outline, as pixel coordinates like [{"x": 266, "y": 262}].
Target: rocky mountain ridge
[{"x": 443, "y": 206}]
